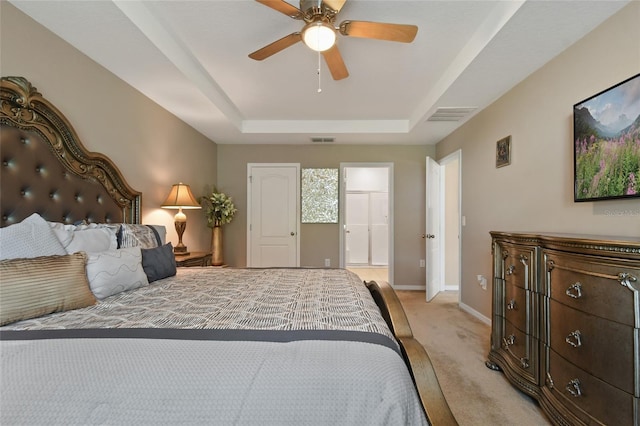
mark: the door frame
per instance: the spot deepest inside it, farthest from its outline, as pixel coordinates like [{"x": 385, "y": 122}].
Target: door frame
[
  {"x": 342, "y": 211},
  {"x": 250, "y": 166},
  {"x": 434, "y": 241},
  {"x": 456, "y": 155}
]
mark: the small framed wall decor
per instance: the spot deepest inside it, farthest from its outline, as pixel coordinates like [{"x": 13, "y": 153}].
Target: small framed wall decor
[{"x": 503, "y": 152}]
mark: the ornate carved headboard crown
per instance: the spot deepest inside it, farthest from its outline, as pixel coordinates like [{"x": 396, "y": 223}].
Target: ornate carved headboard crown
[{"x": 47, "y": 170}]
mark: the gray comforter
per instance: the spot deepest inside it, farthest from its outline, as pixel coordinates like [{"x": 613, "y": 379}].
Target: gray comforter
[{"x": 326, "y": 355}]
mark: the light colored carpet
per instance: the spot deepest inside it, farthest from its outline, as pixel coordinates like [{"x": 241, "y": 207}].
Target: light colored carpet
[
  {"x": 458, "y": 344},
  {"x": 371, "y": 273}
]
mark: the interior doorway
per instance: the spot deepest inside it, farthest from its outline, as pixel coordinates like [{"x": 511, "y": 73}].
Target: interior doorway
[
  {"x": 452, "y": 220},
  {"x": 366, "y": 220},
  {"x": 443, "y": 224},
  {"x": 273, "y": 219}
]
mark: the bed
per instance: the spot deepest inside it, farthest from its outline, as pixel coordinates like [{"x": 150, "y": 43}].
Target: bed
[{"x": 167, "y": 345}]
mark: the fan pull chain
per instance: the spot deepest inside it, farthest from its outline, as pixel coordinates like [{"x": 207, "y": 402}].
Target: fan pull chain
[{"x": 319, "y": 76}]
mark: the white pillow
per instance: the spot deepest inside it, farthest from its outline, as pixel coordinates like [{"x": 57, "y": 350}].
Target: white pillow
[
  {"x": 30, "y": 238},
  {"x": 92, "y": 240},
  {"x": 63, "y": 232},
  {"x": 113, "y": 271}
]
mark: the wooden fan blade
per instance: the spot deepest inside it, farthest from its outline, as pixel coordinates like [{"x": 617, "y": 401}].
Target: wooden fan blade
[
  {"x": 379, "y": 30},
  {"x": 275, "y": 47},
  {"x": 335, "y": 63},
  {"x": 283, "y": 7},
  {"x": 334, "y": 4}
]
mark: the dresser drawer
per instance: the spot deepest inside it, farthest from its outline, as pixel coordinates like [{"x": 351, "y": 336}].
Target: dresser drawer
[
  {"x": 518, "y": 266},
  {"x": 598, "y": 346},
  {"x": 520, "y": 350},
  {"x": 587, "y": 397},
  {"x": 516, "y": 307},
  {"x": 591, "y": 285}
]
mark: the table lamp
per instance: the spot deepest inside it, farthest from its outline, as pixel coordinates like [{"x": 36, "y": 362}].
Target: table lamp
[{"x": 180, "y": 198}]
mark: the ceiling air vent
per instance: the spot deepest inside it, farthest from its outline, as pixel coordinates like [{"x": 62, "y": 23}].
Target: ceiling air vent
[
  {"x": 323, "y": 139},
  {"x": 451, "y": 113}
]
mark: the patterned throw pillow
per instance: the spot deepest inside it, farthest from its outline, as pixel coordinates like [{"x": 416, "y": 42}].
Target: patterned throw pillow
[
  {"x": 159, "y": 262},
  {"x": 42, "y": 285},
  {"x": 113, "y": 271},
  {"x": 134, "y": 235}
]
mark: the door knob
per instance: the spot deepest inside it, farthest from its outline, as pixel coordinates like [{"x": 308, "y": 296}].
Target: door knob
[
  {"x": 293, "y": 233},
  {"x": 430, "y": 236}
]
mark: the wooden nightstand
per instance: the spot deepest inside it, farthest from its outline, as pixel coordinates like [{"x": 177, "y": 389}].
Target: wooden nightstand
[{"x": 195, "y": 258}]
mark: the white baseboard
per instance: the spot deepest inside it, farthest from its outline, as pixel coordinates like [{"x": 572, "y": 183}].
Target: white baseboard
[
  {"x": 409, "y": 287},
  {"x": 422, "y": 288},
  {"x": 462, "y": 306},
  {"x": 475, "y": 313}
]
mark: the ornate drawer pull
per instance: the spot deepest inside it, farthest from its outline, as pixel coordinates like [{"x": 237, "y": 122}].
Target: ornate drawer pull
[
  {"x": 575, "y": 291},
  {"x": 550, "y": 383},
  {"x": 509, "y": 341},
  {"x": 511, "y": 305},
  {"x": 574, "y": 388},
  {"x": 626, "y": 279},
  {"x": 574, "y": 339},
  {"x": 550, "y": 265},
  {"x": 510, "y": 270}
]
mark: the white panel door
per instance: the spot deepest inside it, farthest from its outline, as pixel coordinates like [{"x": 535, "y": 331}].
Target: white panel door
[
  {"x": 357, "y": 228},
  {"x": 433, "y": 233},
  {"x": 379, "y": 202},
  {"x": 273, "y": 196}
]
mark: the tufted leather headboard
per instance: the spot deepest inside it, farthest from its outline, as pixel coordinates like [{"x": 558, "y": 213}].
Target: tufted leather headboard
[{"x": 47, "y": 170}]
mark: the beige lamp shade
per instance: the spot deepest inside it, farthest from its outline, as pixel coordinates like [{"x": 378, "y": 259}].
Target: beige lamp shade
[{"x": 180, "y": 198}]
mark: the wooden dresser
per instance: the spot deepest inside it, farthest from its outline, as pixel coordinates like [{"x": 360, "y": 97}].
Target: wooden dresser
[{"x": 566, "y": 324}]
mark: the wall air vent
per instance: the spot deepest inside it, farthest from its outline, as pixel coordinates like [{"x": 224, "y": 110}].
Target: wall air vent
[
  {"x": 323, "y": 139},
  {"x": 451, "y": 113}
]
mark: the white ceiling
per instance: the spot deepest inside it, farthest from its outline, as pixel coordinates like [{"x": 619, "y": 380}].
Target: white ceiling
[{"x": 191, "y": 58}]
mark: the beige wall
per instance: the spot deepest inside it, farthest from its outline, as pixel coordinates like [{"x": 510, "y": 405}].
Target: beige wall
[
  {"x": 320, "y": 241},
  {"x": 535, "y": 192},
  {"x": 152, "y": 148}
]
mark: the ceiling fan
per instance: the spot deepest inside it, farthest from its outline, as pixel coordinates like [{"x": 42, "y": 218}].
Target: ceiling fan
[{"x": 320, "y": 31}]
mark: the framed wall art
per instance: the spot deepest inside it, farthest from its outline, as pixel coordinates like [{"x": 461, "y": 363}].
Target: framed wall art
[
  {"x": 503, "y": 152},
  {"x": 319, "y": 196},
  {"x": 606, "y": 135}
]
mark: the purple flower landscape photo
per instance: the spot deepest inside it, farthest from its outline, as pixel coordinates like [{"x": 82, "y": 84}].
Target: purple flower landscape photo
[{"x": 606, "y": 130}]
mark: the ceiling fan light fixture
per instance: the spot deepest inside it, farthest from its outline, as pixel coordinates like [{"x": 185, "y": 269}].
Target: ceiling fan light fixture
[{"x": 319, "y": 36}]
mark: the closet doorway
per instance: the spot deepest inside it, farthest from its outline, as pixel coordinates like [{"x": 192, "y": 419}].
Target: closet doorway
[{"x": 366, "y": 220}]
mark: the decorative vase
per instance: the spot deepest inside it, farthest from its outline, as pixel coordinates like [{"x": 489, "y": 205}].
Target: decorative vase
[{"x": 216, "y": 246}]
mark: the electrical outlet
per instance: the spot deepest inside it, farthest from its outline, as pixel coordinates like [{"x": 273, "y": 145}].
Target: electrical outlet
[
  {"x": 422, "y": 264},
  {"x": 327, "y": 262},
  {"x": 482, "y": 281}
]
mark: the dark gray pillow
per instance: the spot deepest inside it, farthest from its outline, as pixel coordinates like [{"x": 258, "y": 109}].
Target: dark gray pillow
[{"x": 159, "y": 262}]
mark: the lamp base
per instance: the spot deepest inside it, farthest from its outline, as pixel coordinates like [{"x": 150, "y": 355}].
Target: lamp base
[
  {"x": 180, "y": 250},
  {"x": 181, "y": 224}
]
